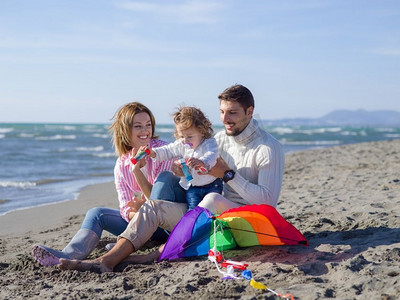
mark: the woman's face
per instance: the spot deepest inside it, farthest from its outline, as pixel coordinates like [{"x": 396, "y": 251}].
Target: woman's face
[{"x": 141, "y": 130}]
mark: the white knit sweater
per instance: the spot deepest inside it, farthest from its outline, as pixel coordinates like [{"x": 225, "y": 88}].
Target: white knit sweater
[{"x": 258, "y": 159}]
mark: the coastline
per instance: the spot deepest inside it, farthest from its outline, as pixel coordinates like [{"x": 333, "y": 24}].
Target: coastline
[
  {"x": 344, "y": 199},
  {"x": 52, "y": 214}
]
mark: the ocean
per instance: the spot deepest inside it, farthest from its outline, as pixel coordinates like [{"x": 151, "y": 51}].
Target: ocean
[{"x": 46, "y": 163}]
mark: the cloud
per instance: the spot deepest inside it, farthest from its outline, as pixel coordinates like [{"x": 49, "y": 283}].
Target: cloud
[
  {"x": 387, "y": 51},
  {"x": 189, "y": 12}
]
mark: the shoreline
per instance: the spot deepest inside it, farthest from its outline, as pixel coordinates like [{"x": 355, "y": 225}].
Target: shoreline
[
  {"x": 344, "y": 199},
  {"x": 52, "y": 214}
]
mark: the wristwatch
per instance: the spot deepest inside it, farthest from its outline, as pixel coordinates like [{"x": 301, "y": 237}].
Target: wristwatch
[{"x": 228, "y": 175}]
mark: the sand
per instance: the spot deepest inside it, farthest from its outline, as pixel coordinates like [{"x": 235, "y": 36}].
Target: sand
[{"x": 345, "y": 200}]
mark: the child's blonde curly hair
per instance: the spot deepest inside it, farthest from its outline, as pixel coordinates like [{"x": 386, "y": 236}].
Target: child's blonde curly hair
[{"x": 188, "y": 116}]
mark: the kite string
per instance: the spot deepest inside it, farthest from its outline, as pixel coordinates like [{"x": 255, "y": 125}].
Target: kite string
[{"x": 230, "y": 270}]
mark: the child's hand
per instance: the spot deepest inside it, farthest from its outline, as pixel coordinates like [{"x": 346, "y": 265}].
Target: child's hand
[{"x": 152, "y": 152}]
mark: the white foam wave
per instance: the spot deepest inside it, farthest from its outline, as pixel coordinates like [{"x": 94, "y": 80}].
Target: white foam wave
[
  {"x": 18, "y": 184},
  {"x": 2, "y": 136},
  {"x": 5, "y": 130},
  {"x": 282, "y": 130},
  {"x": 392, "y": 135},
  {"x": 348, "y": 133},
  {"x": 92, "y": 149},
  {"x": 165, "y": 130},
  {"x": 102, "y": 136},
  {"x": 60, "y": 127},
  {"x": 56, "y": 137},
  {"x": 320, "y": 130},
  {"x": 26, "y": 135},
  {"x": 311, "y": 143},
  {"x": 385, "y": 129},
  {"x": 104, "y": 154}
]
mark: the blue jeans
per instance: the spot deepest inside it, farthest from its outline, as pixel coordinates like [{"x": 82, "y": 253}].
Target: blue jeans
[
  {"x": 195, "y": 194},
  {"x": 167, "y": 188},
  {"x": 98, "y": 219}
]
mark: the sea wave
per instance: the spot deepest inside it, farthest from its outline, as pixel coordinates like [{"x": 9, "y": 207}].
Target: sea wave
[
  {"x": 17, "y": 184},
  {"x": 319, "y": 130},
  {"x": 311, "y": 143},
  {"x": 102, "y": 136},
  {"x": 163, "y": 130},
  {"x": 26, "y": 135},
  {"x": 90, "y": 149},
  {"x": 348, "y": 133},
  {"x": 6, "y": 130},
  {"x": 392, "y": 135},
  {"x": 2, "y": 136},
  {"x": 109, "y": 154},
  {"x": 385, "y": 129},
  {"x": 60, "y": 127},
  {"x": 282, "y": 130},
  {"x": 48, "y": 181},
  {"x": 56, "y": 137},
  {"x": 93, "y": 128}
]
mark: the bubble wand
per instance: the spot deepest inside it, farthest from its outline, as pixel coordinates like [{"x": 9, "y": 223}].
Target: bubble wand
[{"x": 140, "y": 155}]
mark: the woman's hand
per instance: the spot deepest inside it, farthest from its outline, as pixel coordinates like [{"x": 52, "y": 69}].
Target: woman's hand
[
  {"x": 135, "y": 204},
  {"x": 141, "y": 163},
  {"x": 177, "y": 169}
]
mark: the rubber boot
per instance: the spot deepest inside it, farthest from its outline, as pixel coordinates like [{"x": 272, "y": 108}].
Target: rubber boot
[{"x": 81, "y": 245}]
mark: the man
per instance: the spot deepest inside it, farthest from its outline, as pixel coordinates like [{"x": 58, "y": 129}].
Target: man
[{"x": 251, "y": 165}]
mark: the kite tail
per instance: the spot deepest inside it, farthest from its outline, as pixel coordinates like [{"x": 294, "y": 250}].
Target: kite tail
[{"x": 216, "y": 257}]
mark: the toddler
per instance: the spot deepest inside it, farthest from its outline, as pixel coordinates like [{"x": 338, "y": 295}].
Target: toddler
[{"x": 195, "y": 144}]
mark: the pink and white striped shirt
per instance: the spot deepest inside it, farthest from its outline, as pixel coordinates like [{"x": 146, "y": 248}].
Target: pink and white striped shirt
[{"x": 125, "y": 181}]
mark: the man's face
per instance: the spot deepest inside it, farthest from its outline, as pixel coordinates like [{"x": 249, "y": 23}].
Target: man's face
[{"x": 234, "y": 117}]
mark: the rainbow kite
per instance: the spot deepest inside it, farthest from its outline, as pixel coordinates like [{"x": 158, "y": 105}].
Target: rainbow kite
[{"x": 246, "y": 226}]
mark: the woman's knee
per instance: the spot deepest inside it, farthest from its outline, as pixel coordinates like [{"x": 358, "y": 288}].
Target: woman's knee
[{"x": 94, "y": 213}]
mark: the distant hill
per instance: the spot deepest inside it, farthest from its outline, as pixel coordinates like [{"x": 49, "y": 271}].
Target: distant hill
[{"x": 345, "y": 117}]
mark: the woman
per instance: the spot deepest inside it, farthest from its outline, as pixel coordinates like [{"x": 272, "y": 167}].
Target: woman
[{"x": 132, "y": 128}]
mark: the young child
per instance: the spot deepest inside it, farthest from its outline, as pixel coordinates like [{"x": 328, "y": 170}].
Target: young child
[{"x": 199, "y": 150}]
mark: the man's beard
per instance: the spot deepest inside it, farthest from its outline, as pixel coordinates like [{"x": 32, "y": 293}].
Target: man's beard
[{"x": 235, "y": 132}]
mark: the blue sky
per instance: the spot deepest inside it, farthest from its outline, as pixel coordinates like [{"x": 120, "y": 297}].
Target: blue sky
[{"x": 79, "y": 61}]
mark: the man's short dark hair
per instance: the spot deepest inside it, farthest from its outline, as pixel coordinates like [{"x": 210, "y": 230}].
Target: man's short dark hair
[{"x": 238, "y": 93}]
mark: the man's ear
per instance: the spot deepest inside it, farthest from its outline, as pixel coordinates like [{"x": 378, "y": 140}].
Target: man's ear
[{"x": 250, "y": 111}]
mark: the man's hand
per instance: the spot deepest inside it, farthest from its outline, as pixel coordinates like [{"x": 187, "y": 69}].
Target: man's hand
[
  {"x": 219, "y": 169},
  {"x": 195, "y": 163}
]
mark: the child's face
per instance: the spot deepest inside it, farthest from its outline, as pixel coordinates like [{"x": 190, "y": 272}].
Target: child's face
[{"x": 190, "y": 136}]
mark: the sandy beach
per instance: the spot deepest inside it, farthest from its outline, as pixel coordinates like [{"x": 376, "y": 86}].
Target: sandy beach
[{"x": 345, "y": 200}]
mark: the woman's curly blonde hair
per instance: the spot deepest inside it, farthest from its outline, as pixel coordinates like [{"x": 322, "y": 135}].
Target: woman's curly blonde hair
[
  {"x": 121, "y": 128},
  {"x": 188, "y": 116}
]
